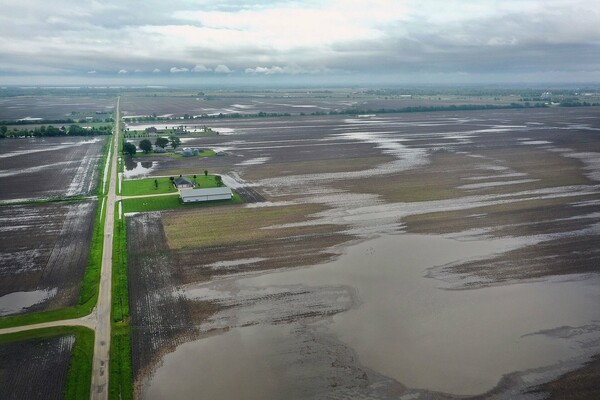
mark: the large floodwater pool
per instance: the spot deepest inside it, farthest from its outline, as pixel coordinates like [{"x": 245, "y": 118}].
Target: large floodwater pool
[{"x": 400, "y": 324}]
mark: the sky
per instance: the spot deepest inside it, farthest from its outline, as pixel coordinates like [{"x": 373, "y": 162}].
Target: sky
[{"x": 323, "y": 42}]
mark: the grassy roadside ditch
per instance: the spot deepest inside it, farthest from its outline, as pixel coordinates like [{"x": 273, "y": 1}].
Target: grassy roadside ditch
[
  {"x": 88, "y": 294},
  {"x": 120, "y": 370},
  {"x": 79, "y": 374}
]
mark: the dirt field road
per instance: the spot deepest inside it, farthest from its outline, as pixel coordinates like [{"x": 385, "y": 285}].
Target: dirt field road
[{"x": 102, "y": 342}]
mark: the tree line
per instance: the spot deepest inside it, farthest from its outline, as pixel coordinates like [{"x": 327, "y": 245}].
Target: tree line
[
  {"x": 146, "y": 145},
  {"x": 356, "y": 111},
  {"x": 51, "y": 131}
]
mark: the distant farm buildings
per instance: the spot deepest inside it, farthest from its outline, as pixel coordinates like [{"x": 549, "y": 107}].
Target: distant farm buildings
[
  {"x": 188, "y": 152},
  {"x": 209, "y": 194},
  {"x": 151, "y": 130}
]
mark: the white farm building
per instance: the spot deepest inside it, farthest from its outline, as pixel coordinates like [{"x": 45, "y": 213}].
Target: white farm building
[{"x": 198, "y": 195}]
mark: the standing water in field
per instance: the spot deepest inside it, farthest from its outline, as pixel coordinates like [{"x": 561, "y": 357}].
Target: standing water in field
[
  {"x": 307, "y": 332},
  {"x": 137, "y": 169},
  {"x": 17, "y": 302}
]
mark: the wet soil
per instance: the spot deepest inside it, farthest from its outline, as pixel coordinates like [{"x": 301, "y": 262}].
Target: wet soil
[
  {"x": 41, "y": 168},
  {"x": 44, "y": 248},
  {"x": 35, "y": 369}
]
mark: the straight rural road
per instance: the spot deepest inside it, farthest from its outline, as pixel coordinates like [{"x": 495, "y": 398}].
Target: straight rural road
[{"x": 99, "y": 390}]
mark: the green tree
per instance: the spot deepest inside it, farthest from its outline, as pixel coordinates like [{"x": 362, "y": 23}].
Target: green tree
[
  {"x": 3, "y": 129},
  {"x": 161, "y": 142},
  {"x": 205, "y": 172},
  {"x": 156, "y": 183},
  {"x": 175, "y": 141},
  {"x": 129, "y": 148},
  {"x": 218, "y": 180},
  {"x": 146, "y": 146}
]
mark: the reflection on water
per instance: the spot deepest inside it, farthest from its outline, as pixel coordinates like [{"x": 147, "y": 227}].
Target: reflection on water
[
  {"x": 17, "y": 302},
  {"x": 403, "y": 326},
  {"x": 136, "y": 169}
]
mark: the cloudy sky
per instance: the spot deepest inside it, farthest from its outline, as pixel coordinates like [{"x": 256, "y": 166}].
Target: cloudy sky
[{"x": 329, "y": 41}]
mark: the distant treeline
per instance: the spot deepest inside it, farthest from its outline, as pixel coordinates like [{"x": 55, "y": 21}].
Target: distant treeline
[
  {"x": 356, "y": 111},
  {"x": 57, "y": 121},
  {"x": 51, "y": 131}
]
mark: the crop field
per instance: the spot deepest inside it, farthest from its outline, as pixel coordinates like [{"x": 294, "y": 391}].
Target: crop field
[
  {"x": 35, "y": 368},
  {"x": 508, "y": 196},
  {"x": 42, "y": 168},
  {"x": 293, "y": 103},
  {"x": 54, "y": 107},
  {"x": 45, "y": 250}
]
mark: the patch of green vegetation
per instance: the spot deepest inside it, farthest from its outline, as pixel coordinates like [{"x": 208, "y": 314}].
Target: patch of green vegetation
[
  {"x": 230, "y": 225},
  {"x": 138, "y": 187},
  {"x": 44, "y": 201},
  {"x": 88, "y": 294},
  {"x": 121, "y": 372},
  {"x": 79, "y": 375},
  {"x": 159, "y": 203},
  {"x": 102, "y": 167}
]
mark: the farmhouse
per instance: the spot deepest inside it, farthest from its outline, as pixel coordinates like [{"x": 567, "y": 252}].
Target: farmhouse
[
  {"x": 210, "y": 194},
  {"x": 183, "y": 183}
]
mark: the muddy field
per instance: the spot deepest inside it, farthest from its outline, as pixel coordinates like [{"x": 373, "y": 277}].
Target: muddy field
[
  {"x": 44, "y": 251},
  {"x": 283, "y": 103},
  {"x": 50, "y": 356},
  {"x": 41, "y": 168},
  {"x": 54, "y": 107},
  {"x": 409, "y": 229}
]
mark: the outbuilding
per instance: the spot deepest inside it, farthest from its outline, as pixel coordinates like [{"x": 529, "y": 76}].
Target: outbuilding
[{"x": 209, "y": 194}]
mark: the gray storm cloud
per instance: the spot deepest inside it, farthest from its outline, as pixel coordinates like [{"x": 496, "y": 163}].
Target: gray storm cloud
[{"x": 182, "y": 39}]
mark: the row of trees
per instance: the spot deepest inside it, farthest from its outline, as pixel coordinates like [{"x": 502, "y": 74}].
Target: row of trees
[
  {"x": 51, "y": 131},
  {"x": 146, "y": 146}
]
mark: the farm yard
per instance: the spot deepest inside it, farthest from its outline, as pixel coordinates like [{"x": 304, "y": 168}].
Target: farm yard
[
  {"x": 509, "y": 197},
  {"x": 43, "y": 168}
]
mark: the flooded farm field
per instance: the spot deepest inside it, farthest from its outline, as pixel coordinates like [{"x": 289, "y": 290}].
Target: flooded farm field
[
  {"x": 41, "y": 168},
  {"x": 35, "y": 369},
  {"x": 278, "y": 103},
  {"x": 54, "y": 107},
  {"x": 426, "y": 255},
  {"x": 44, "y": 251}
]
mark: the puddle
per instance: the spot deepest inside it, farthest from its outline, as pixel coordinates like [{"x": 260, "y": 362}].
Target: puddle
[
  {"x": 16, "y": 302},
  {"x": 398, "y": 324},
  {"x": 235, "y": 263},
  {"x": 254, "y": 161},
  {"x": 136, "y": 169}
]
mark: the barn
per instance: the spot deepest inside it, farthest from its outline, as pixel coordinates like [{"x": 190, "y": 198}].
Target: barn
[{"x": 210, "y": 194}]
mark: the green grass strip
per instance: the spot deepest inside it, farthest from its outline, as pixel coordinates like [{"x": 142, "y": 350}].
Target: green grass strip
[
  {"x": 79, "y": 374},
  {"x": 121, "y": 371},
  {"x": 148, "y": 186},
  {"x": 44, "y": 201}
]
